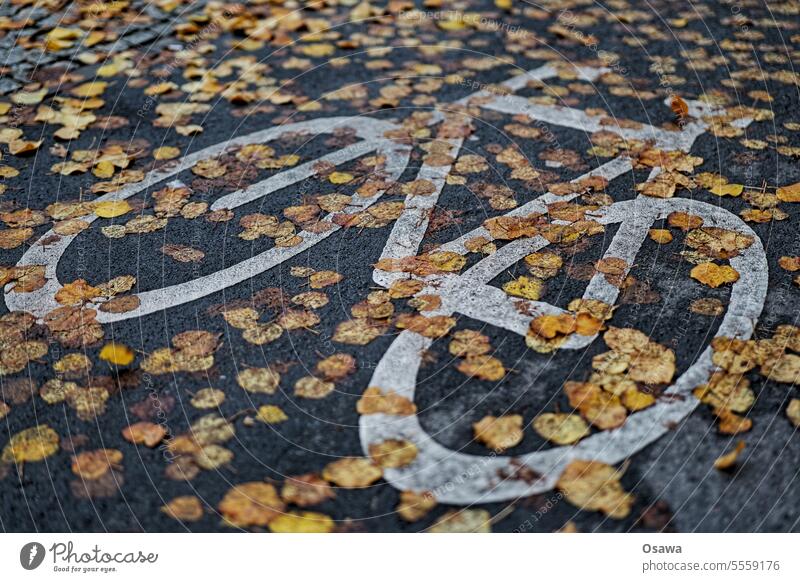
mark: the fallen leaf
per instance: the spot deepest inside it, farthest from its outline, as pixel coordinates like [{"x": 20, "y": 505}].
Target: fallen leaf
[
  {"x": 595, "y": 486},
  {"x": 414, "y": 505},
  {"x": 301, "y": 522},
  {"x": 166, "y": 153},
  {"x": 463, "y": 521},
  {"x": 483, "y": 367},
  {"x": 144, "y": 433},
  {"x": 560, "y": 428},
  {"x": 251, "y": 504},
  {"x": 499, "y": 433},
  {"x": 793, "y": 411},
  {"x": 271, "y": 414},
  {"x": 393, "y": 453},
  {"x": 525, "y": 287},
  {"x": 306, "y": 490},
  {"x": 184, "y": 508},
  {"x": 117, "y": 354},
  {"x": 600, "y": 408},
  {"x": 91, "y": 465},
  {"x": 789, "y": 193},
  {"x": 727, "y": 189},
  {"x": 259, "y": 380},
  {"x": 728, "y": 460},
  {"x": 183, "y": 253},
  {"x": 679, "y": 107},
  {"x": 30, "y": 445},
  {"x": 313, "y": 388},
  {"x": 352, "y": 472},
  {"x": 714, "y": 275},
  {"x": 376, "y": 401},
  {"x": 112, "y": 208}
]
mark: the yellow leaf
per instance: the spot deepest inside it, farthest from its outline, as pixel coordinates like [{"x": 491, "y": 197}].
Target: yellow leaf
[
  {"x": 660, "y": 235},
  {"x": 561, "y": 428},
  {"x": 208, "y": 398},
  {"x": 714, "y": 275},
  {"x": 32, "y": 444},
  {"x": 184, "y": 508},
  {"x": 447, "y": 261},
  {"x": 451, "y": 24},
  {"x": 104, "y": 169},
  {"x": 76, "y": 293},
  {"x": 112, "y": 208},
  {"x": 463, "y": 521},
  {"x": 432, "y": 327},
  {"x": 728, "y": 460},
  {"x": 301, "y": 522},
  {"x": 259, "y": 380},
  {"x": 789, "y": 193},
  {"x": 600, "y": 408},
  {"x": 118, "y": 354},
  {"x": 790, "y": 263},
  {"x": 483, "y": 367},
  {"x": 727, "y": 189},
  {"x": 415, "y": 505},
  {"x": 19, "y": 146},
  {"x": 93, "y": 38},
  {"x": 108, "y": 70},
  {"x": 60, "y": 33},
  {"x": 29, "y": 97},
  {"x": 251, "y": 504},
  {"x": 144, "y": 433},
  {"x": 289, "y": 160},
  {"x": 793, "y": 411},
  {"x": 57, "y": 45},
  {"x": 549, "y": 326},
  {"x": 731, "y": 423},
  {"x": 166, "y": 153},
  {"x": 67, "y": 133},
  {"x": 595, "y": 486},
  {"x": 271, "y": 414},
  {"x": 322, "y": 279},
  {"x": 10, "y": 134},
  {"x": 393, "y": 453},
  {"x": 635, "y": 400},
  {"x": 321, "y": 49},
  {"x": 525, "y": 287},
  {"x": 91, "y": 89},
  {"x": 375, "y": 401},
  {"x": 352, "y": 472},
  {"x": 499, "y": 433},
  {"x": 340, "y": 177}
]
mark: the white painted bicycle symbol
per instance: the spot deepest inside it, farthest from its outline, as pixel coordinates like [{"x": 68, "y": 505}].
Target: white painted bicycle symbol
[{"x": 456, "y": 477}]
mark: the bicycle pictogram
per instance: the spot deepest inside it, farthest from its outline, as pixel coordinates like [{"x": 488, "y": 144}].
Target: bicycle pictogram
[{"x": 454, "y": 476}]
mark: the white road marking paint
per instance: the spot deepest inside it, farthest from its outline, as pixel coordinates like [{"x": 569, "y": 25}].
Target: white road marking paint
[
  {"x": 42, "y": 301},
  {"x": 409, "y": 230},
  {"x": 405, "y": 238},
  {"x": 577, "y": 119},
  {"x": 456, "y": 477},
  {"x": 453, "y": 476},
  {"x": 411, "y": 226},
  {"x": 373, "y": 142}
]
